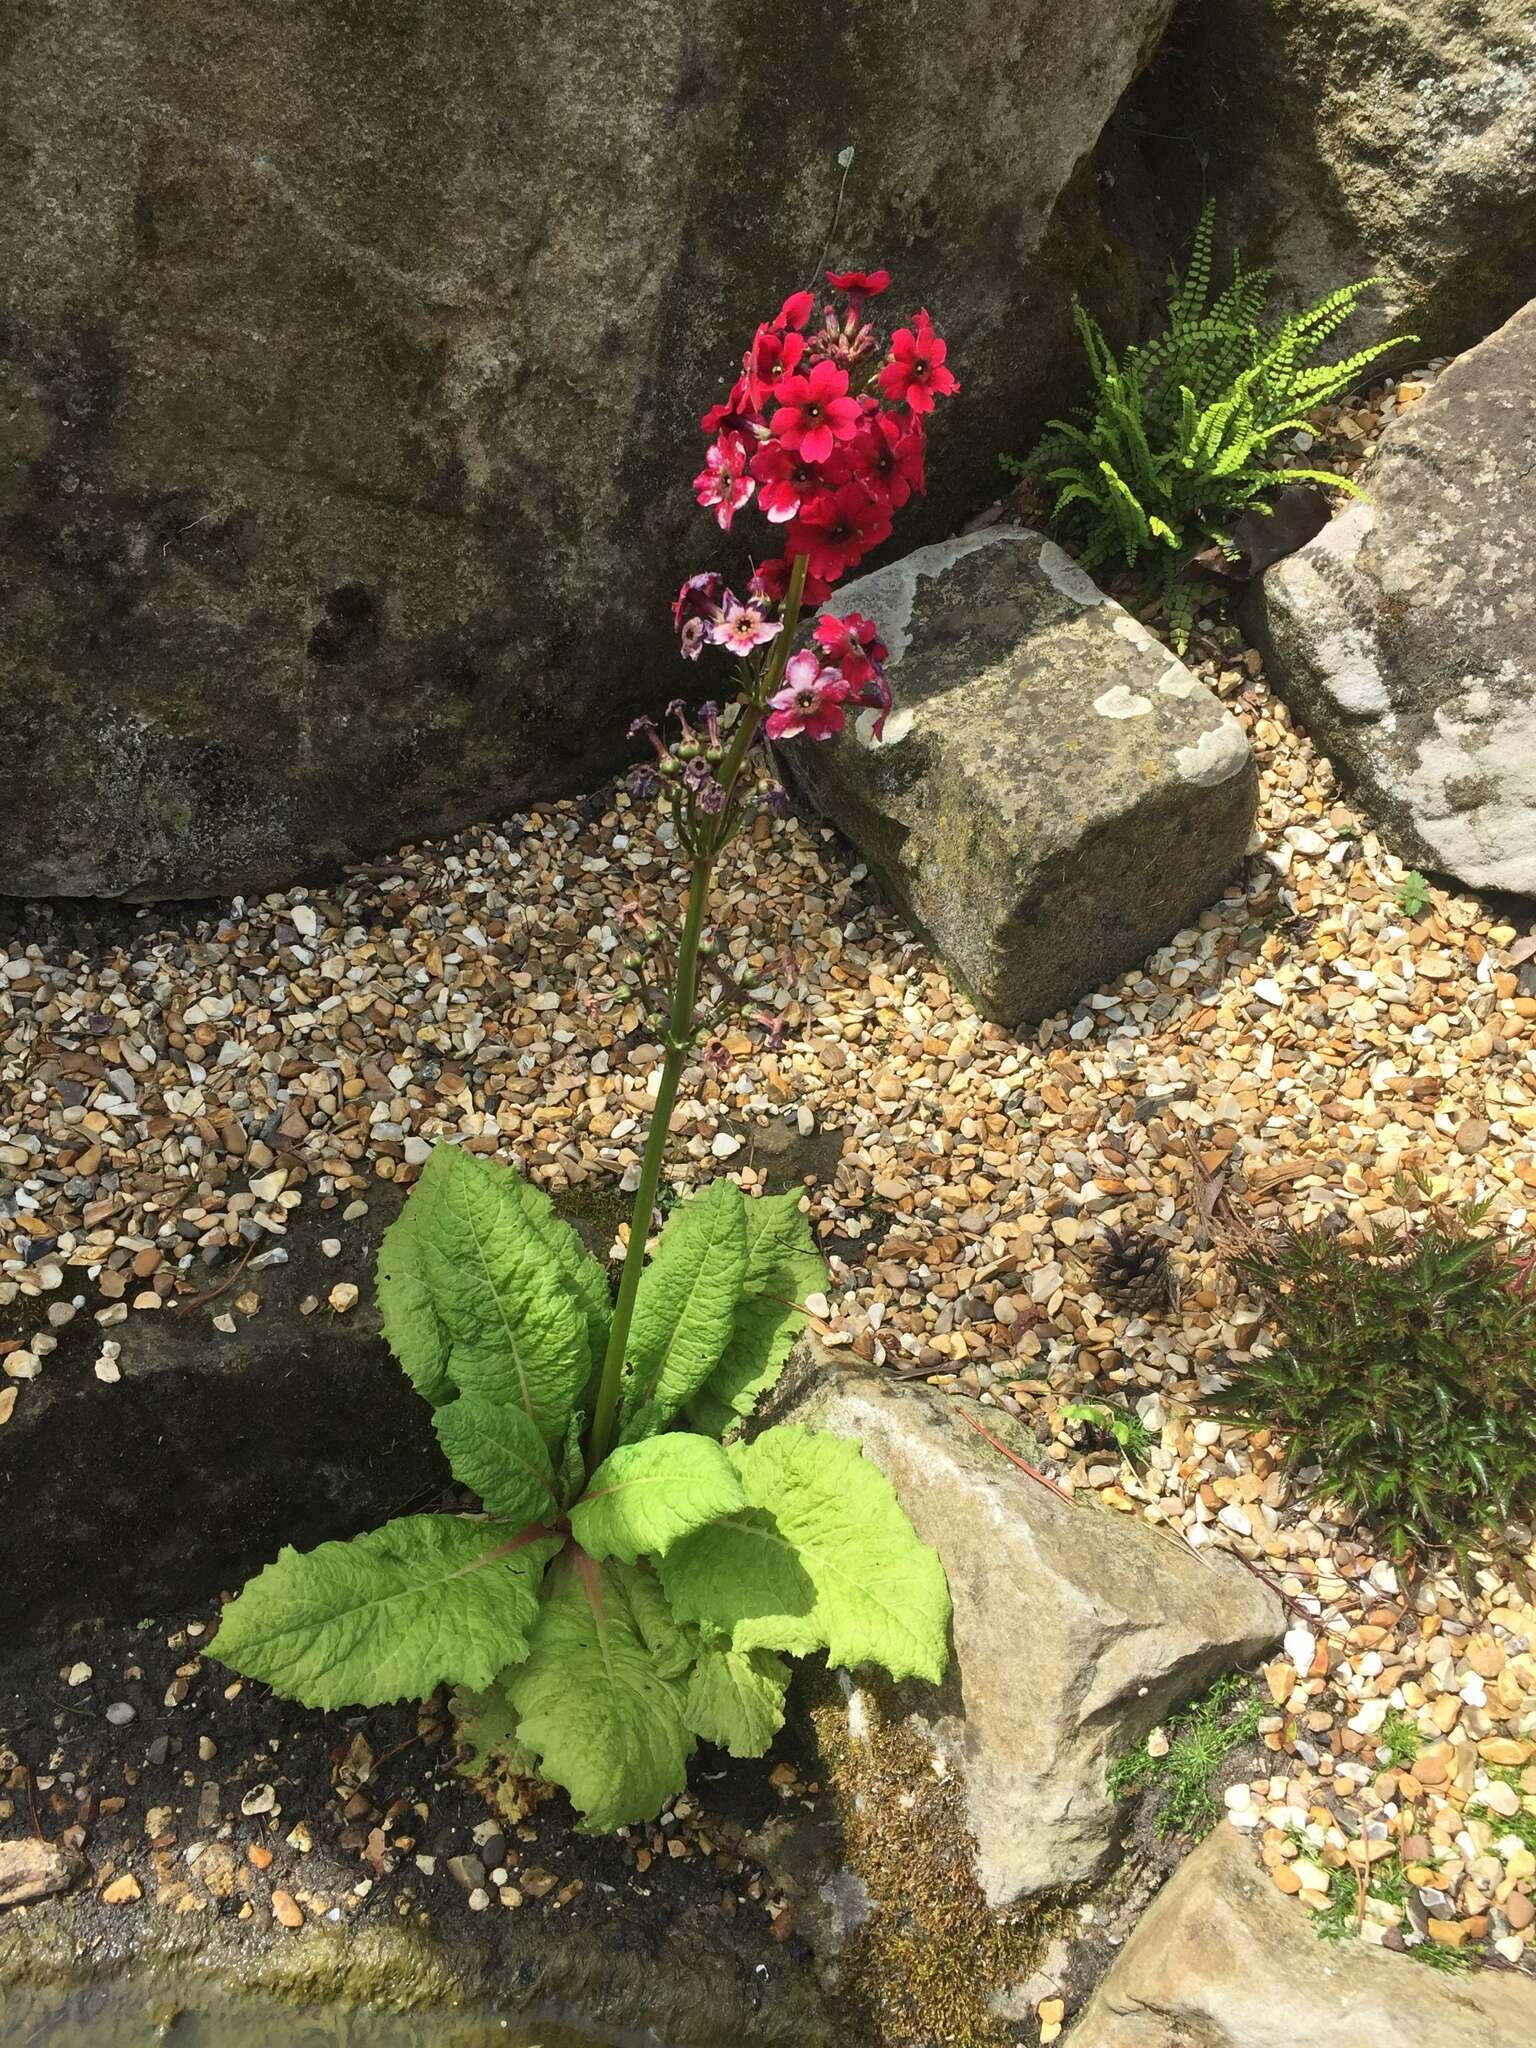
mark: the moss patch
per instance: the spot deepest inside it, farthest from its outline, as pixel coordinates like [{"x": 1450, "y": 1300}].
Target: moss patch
[{"x": 932, "y": 1956}]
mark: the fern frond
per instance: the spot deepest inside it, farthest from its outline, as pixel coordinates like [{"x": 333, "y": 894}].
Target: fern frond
[{"x": 1172, "y": 443}]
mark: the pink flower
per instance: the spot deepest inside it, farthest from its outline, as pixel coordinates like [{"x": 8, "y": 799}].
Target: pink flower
[
  {"x": 811, "y": 701},
  {"x": 741, "y": 627},
  {"x": 770, "y": 360},
  {"x": 876, "y": 693},
  {"x": 699, "y": 597},
  {"x": 915, "y": 374},
  {"x": 734, "y": 412},
  {"x": 838, "y": 528},
  {"x": 854, "y": 643},
  {"x": 723, "y": 481},
  {"x": 815, "y": 412}
]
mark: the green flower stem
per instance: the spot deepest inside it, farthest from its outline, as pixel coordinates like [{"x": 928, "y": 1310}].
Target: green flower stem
[{"x": 685, "y": 991}]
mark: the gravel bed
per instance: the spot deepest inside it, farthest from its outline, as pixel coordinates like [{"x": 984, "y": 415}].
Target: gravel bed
[{"x": 173, "y": 1088}]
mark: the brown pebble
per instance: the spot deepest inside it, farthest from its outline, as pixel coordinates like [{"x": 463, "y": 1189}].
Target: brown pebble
[
  {"x": 260, "y": 1855},
  {"x": 285, "y": 1910},
  {"x": 123, "y": 1891}
]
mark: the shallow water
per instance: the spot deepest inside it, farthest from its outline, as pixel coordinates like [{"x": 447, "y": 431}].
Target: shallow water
[{"x": 140, "y": 2011}]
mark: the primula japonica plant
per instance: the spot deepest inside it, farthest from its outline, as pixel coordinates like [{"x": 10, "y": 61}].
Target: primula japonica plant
[{"x": 641, "y": 1571}]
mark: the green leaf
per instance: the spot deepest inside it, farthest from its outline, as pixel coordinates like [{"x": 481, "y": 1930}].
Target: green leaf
[
  {"x": 413, "y": 1329},
  {"x": 519, "y": 1331},
  {"x": 687, "y": 1299},
  {"x": 673, "y": 1646},
  {"x": 573, "y": 1465},
  {"x": 583, "y": 1274},
  {"x": 494, "y": 1448},
  {"x": 736, "y": 1699},
  {"x": 592, "y": 1704},
  {"x": 824, "y": 1558},
  {"x": 644, "y": 1497},
  {"x": 425, "y": 1601},
  {"x": 486, "y": 1727},
  {"x": 783, "y": 1266}
]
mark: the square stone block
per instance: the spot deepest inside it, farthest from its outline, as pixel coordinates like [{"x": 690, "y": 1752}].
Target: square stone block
[{"x": 1055, "y": 796}]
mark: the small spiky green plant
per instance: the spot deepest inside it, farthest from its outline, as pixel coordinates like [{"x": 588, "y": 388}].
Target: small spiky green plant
[
  {"x": 1201, "y": 1738},
  {"x": 1404, "y": 1377},
  {"x": 1176, "y": 441}
]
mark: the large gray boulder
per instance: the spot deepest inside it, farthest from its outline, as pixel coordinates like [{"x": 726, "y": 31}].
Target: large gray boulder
[
  {"x": 1355, "y": 138},
  {"x": 1055, "y": 795},
  {"x": 1075, "y": 1629},
  {"x": 352, "y": 359},
  {"x": 1404, "y": 634},
  {"x": 1224, "y": 1960}
]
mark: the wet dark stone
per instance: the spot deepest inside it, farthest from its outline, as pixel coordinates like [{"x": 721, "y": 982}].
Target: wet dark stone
[{"x": 150, "y": 1494}]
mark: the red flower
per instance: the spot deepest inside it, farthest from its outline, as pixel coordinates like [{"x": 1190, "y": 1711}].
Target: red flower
[
  {"x": 795, "y": 311},
  {"x": 770, "y": 579},
  {"x": 733, "y": 412},
  {"x": 859, "y": 285},
  {"x": 723, "y": 481},
  {"x": 838, "y": 528},
  {"x": 784, "y": 480},
  {"x": 887, "y": 455},
  {"x": 854, "y": 643},
  {"x": 770, "y": 360},
  {"x": 816, "y": 412},
  {"x": 811, "y": 701},
  {"x": 915, "y": 374}
]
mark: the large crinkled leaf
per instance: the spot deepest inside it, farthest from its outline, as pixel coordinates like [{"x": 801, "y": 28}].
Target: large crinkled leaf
[
  {"x": 744, "y": 1577},
  {"x": 413, "y": 1330},
  {"x": 425, "y": 1601},
  {"x": 824, "y": 1558},
  {"x": 583, "y": 1274},
  {"x": 673, "y": 1646},
  {"x": 497, "y": 1449},
  {"x": 519, "y": 1331},
  {"x": 644, "y": 1497},
  {"x": 736, "y": 1699},
  {"x": 783, "y": 1267},
  {"x": 687, "y": 1299},
  {"x": 592, "y": 1704}
]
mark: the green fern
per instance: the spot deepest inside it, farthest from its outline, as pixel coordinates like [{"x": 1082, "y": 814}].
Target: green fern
[{"x": 1176, "y": 442}]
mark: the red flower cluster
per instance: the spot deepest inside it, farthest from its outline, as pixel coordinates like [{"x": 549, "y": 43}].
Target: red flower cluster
[{"x": 826, "y": 429}]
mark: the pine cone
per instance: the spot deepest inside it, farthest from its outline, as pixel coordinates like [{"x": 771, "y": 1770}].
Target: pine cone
[{"x": 1133, "y": 1267}]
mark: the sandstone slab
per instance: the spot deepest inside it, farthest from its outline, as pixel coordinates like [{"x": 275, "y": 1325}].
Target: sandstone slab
[
  {"x": 1056, "y": 795},
  {"x": 352, "y": 359},
  {"x": 1223, "y": 1960},
  {"x": 1358, "y": 138},
  {"x": 1403, "y": 633},
  {"x": 1075, "y": 1630}
]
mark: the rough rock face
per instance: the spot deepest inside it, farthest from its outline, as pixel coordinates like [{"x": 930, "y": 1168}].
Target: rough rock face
[
  {"x": 351, "y": 359},
  {"x": 1121, "y": 1624},
  {"x": 1224, "y": 1960},
  {"x": 1056, "y": 794},
  {"x": 1350, "y": 138},
  {"x": 1404, "y": 633}
]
